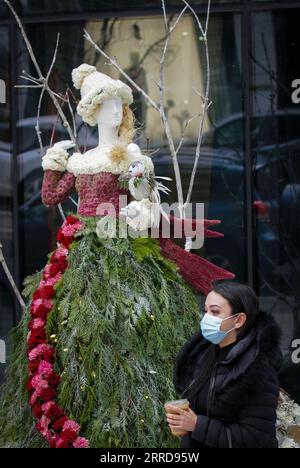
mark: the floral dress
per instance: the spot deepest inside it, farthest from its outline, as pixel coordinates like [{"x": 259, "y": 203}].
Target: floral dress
[{"x": 92, "y": 358}]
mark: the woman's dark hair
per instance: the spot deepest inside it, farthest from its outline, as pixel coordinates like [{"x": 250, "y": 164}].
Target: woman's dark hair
[{"x": 241, "y": 298}]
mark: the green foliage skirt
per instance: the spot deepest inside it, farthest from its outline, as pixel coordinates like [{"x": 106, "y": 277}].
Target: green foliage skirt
[{"x": 121, "y": 313}]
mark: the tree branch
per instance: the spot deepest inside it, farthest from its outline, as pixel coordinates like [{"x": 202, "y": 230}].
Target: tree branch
[{"x": 10, "y": 279}]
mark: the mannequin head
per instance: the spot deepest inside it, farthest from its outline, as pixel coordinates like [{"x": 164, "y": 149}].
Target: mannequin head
[
  {"x": 96, "y": 88},
  {"x": 112, "y": 114}
]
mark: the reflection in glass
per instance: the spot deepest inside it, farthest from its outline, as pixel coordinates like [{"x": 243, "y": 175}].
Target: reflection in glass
[
  {"x": 6, "y": 302},
  {"x": 36, "y": 6},
  {"x": 276, "y": 156},
  {"x": 138, "y": 43}
]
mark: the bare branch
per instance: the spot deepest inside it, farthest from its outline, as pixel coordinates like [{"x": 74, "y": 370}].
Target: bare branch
[
  {"x": 41, "y": 78},
  {"x": 10, "y": 279},
  {"x": 159, "y": 109},
  {"x": 113, "y": 62},
  {"x": 32, "y": 80},
  {"x": 72, "y": 114},
  {"x": 205, "y": 98},
  {"x": 37, "y": 127},
  {"x": 207, "y": 17},
  {"x": 184, "y": 131},
  {"x": 24, "y": 37},
  {"x": 197, "y": 18},
  {"x": 178, "y": 19},
  {"x": 163, "y": 5},
  {"x": 28, "y": 86},
  {"x": 54, "y": 58}
]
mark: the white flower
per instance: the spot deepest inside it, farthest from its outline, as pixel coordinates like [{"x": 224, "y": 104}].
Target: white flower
[
  {"x": 93, "y": 162},
  {"x": 89, "y": 104},
  {"x": 140, "y": 215},
  {"x": 288, "y": 442},
  {"x": 80, "y": 73},
  {"x": 287, "y": 417},
  {"x": 55, "y": 159}
]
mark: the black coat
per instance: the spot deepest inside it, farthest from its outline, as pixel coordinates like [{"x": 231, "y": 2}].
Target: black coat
[{"x": 244, "y": 390}]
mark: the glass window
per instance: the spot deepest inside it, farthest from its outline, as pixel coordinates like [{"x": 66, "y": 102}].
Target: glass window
[
  {"x": 6, "y": 230},
  {"x": 276, "y": 166},
  {"x": 138, "y": 44},
  {"x": 50, "y": 6},
  {"x": 3, "y": 9}
]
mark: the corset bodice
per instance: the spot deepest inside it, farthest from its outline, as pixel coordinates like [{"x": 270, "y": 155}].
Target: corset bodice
[{"x": 97, "y": 189}]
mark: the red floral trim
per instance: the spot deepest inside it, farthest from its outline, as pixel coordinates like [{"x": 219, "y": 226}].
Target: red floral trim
[{"x": 42, "y": 385}]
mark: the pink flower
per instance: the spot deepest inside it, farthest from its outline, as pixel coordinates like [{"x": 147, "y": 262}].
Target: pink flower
[
  {"x": 44, "y": 421},
  {"x": 36, "y": 324},
  {"x": 81, "y": 443},
  {"x": 38, "y": 382},
  {"x": 52, "y": 410},
  {"x": 63, "y": 443},
  {"x": 44, "y": 351},
  {"x": 70, "y": 430},
  {"x": 71, "y": 425},
  {"x": 60, "y": 252},
  {"x": 47, "y": 272},
  {"x": 50, "y": 281},
  {"x": 37, "y": 410},
  {"x": 46, "y": 394},
  {"x": 52, "y": 440},
  {"x": 58, "y": 424},
  {"x": 40, "y": 308},
  {"x": 43, "y": 427},
  {"x": 69, "y": 231},
  {"x": 33, "y": 398},
  {"x": 71, "y": 219},
  {"x": 45, "y": 369}
]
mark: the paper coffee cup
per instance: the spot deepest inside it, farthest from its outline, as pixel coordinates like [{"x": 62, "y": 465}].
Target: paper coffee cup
[{"x": 183, "y": 404}]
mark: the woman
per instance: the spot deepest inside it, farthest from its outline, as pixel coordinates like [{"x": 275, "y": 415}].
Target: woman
[
  {"x": 228, "y": 372},
  {"x": 105, "y": 312}
]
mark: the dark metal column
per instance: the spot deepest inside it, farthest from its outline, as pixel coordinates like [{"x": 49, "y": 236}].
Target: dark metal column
[
  {"x": 247, "y": 80},
  {"x": 14, "y": 161}
]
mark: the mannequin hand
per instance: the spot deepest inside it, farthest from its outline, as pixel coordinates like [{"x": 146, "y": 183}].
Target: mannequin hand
[
  {"x": 64, "y": 144},
  {"x": 138, "y": 215},
  {"x": 183, "y": 420},
  {"x": 56, "y": 157},
  {"x": 129, "y": 212}
]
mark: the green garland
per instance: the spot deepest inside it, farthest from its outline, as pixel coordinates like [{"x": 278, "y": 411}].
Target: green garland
[{"x": 120, "y": 315}]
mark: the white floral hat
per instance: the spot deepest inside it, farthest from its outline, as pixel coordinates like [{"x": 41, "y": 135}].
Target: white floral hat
[{"x": 95, "y": 87}]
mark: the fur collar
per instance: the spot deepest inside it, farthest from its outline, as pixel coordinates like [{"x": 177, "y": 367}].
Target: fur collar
[{"x": 93, "y": 163}]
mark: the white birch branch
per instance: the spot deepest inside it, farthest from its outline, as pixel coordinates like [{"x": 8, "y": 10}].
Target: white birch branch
[
  {"x": 206, "y": 103},
  {"x": 10, "y": 279},
  {"x": 159, "y": 108},
  {"x": 41, "y": 78}
]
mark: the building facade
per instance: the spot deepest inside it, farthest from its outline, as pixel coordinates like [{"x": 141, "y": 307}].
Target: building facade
[{"x": 249, "y": 168}]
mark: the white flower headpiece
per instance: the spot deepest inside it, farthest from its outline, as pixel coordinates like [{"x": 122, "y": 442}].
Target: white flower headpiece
[{"x": 95, "y": 87}]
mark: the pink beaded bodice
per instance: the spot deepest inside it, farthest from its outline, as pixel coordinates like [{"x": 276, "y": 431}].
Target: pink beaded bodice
[{"x": 95, "y": 190}]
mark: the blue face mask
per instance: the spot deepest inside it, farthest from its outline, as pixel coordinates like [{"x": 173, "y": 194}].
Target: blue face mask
[{"x": 211, "y": 328}]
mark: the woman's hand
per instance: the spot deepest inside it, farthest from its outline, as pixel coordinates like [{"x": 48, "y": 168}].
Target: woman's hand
[{"x": 183, "y": 420}]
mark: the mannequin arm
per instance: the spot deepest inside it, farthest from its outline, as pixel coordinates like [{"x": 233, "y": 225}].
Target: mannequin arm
[{"x": 56, "y": 188}]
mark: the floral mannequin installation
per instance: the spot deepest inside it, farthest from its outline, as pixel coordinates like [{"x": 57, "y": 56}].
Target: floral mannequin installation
[{"x": 92, "y": 358}]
